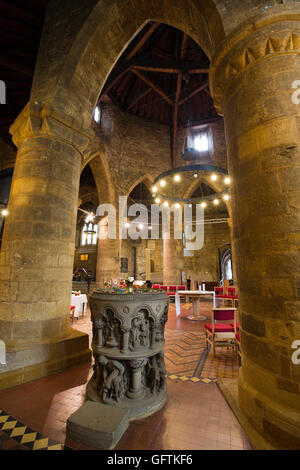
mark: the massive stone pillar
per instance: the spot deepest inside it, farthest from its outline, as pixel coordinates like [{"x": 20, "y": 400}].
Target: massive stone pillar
[
  {"x": 252, "y": 79},
  {"x": 108, "y": 260},
  {"x": 173, "y": 259},
  {"x": 108, "y": 254},
  {"x": 36, "y": 259}
]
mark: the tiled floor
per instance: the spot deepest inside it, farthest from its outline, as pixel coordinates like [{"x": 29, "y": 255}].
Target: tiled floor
[{"x": 196, "y": 415}]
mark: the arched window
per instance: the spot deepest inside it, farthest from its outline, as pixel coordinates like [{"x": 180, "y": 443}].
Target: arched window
[
  {"x": 89, "y": 234},
  {"x": 228, "y": 269},
  {"x": 226, "y": 265}
]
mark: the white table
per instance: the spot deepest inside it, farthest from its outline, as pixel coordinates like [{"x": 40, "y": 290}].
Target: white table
[
  {"x": 79, "y": 302},
  {"x": 195, "y": 294}
]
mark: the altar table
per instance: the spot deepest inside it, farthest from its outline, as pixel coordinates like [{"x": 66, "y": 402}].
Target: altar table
[
  {"x": 79, "y": 302},
  {"x": 195, "y": 295}
]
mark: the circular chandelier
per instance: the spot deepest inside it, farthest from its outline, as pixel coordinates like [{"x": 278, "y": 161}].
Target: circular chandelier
[{"x": 218, "y": 174}]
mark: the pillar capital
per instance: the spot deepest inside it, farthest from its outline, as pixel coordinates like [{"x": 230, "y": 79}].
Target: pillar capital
[
  {"x": 251, "y": 44},
  {"x": 36, "y": 120}
]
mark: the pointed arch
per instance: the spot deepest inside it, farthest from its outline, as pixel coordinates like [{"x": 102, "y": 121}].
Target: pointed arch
[{"x": 70, "y": 75}]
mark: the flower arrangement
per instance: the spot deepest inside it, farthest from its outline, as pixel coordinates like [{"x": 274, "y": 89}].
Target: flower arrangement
[{"x": 112, "y": 287}]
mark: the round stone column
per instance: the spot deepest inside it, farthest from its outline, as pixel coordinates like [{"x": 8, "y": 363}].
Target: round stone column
[
  {"x": 108, "y": 261},
  {"x": 252, "y": 80},
  {"x": 109, "y": 247},
  {"x": 36, "y": 258},
  {"x": 173, "y": 259}
]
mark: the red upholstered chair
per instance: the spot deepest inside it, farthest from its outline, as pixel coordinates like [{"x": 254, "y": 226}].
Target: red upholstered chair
[
  {"x": 171, "y": 292},
  {"x": 72, "y": 311},
  {"x": 219, "y": 291},
  {"x": 165, "y": 288},
  {"x": 232, "y": 295},
  {"x": 220, "y": 332},
  {"x": 220, "y": 295},
  {"x": 156, "y": 286},
  {"x": 237, "y": 326}
]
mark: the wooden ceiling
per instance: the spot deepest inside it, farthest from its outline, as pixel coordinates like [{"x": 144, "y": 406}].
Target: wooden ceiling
[
  {"x": 21, "y": 25},
  {"x": 163, "y": 76}
]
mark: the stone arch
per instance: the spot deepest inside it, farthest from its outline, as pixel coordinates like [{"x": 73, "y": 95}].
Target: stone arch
[
  {"x": 145, "y": 308},
  {"x": 146, "y": 179},
  {"x": 75, "y": 74},
  {"x": 102, "y": 176},
  {"x": 214, "y": 185},
  {"x": 191, "y": 189}
]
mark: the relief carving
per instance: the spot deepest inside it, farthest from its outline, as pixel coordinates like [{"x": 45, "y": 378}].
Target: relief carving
[
  {"x": 139, "y": 335},
  {"x": 114, "y": 379}
]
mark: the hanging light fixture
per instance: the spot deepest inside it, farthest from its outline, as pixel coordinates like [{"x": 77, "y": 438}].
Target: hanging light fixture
[{"x": 189, "y": 152}]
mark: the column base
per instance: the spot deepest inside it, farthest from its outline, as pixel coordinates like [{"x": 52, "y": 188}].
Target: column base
[
  {"x": 271, "y": 436},
  {"x": 137, "y": 409},
  {"x": 38, "y": 360},
  {"x": 229, "y": 389},
  {"x": 136, "y": 395}
]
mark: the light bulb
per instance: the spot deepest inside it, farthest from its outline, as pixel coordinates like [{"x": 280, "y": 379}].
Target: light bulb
[
  {"x": 154, "y": 189},
  {"x": 214, "y": 177},
  {"x": 195, "y": 175},
  {"x": 216, "y": 202},
  {"x": 203, "y": 204},
  {"x": 166, "y": 204},
  {"x": 177, "y": 178},
  {"x": 227, "y": 180},
  {"x": 163, "y": 183},
  {"x": 157, "y": 200},
  {"x": 226, "y": 197},
  {"x": 141, "y": 226},
  {"x": 177, "y": 205},
  {"x": 4, "y": 212},
  {"x": 150, "y": 227}
]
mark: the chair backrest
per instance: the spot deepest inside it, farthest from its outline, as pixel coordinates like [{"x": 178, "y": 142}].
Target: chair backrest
[
  {"x": 172, "y": 288},
  {"x": 223, "y": 314},
  {"x": 181, "y": 288},
  {"x": 164, "y": 288},
  {"x": 231, "y": 290},
  {"x": 218, "y": 290},
  {"x": 155, "y": 286}
]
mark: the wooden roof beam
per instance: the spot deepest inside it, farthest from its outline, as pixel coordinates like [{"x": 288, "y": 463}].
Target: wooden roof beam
[
  {"x": 193, "y": 93},
  {"x": 137, "y": 98},
  {"x": 153, "y": 86},
  {"x": 175, "y": 118},
  {"x": 142, "y": 41}
]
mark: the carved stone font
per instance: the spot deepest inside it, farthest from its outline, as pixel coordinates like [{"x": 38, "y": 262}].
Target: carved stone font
[{"x": 128, "y": 342}]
